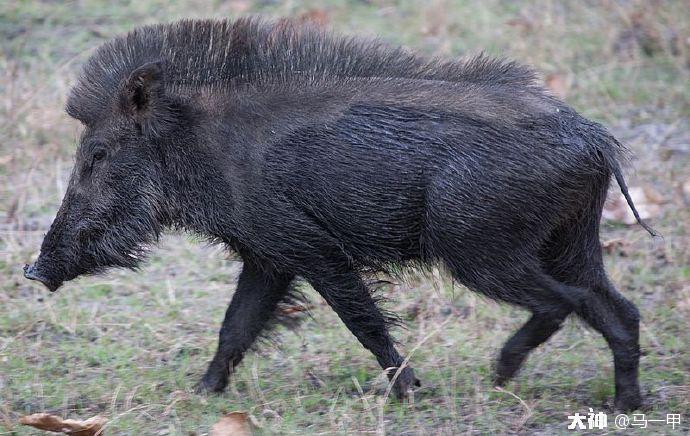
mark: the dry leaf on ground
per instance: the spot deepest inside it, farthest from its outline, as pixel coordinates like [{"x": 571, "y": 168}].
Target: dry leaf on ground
[
  {"x": 318, "y": 17},
  {"x": 558, "y": 84},
  {"x": 647, "y": 201},
  {"x": 240, "y": 6},
  {"x": 45, "y": 421},
  {"x": 615, "y": 245},
  {"x": 525, "y": 24},
  {"x": 232, "y": 424}
]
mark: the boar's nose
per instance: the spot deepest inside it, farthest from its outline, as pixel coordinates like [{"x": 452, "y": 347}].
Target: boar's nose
[{"x": 32, "y": 273}]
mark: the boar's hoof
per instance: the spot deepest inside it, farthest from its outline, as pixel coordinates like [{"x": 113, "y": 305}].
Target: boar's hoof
[
  {"x": 501, "y": 378},
  {"x": 211, "y": 383},
  {"x": 505, "y": 368},
  {"x": 404, "y": 383},
  {"x": 628, "y": 401}
]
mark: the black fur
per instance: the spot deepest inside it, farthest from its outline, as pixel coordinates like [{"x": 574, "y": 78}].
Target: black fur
[{"x": 324, "y": 157}]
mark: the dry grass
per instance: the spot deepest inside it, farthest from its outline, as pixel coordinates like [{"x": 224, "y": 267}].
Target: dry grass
[{"x": 130, "y": 346}]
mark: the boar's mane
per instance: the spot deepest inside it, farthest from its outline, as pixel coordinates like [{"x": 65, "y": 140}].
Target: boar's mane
[{"x": 215, "y": 53}]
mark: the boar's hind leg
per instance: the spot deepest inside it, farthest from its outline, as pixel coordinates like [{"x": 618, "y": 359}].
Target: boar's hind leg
[
  {"x": 252, "y": 307},
  {"x": 549, "y": 301},
  {"x": 536, "y": 331},
  {"x": 617, "y": 319},
  {"x": 347, "y": 294},
  {"x": 602, "y": 307},
  {"x": 573, "y": 256}
]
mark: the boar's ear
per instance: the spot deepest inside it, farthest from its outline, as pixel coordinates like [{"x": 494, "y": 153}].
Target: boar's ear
[{"x": 142, "y": 90}]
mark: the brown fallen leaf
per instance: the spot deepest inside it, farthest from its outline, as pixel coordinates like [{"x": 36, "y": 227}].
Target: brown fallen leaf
[
  {"x": 525, "y": 24},
  {"x": 232, "y": 424},
  {"x": 647, "y": 201},
  {"x": 44, "y": 421},
  {"x": 318, "y": 17},
  {"x": 612, "y": 246},
  {"x": 558, "y": 84},
  {"x": 436, "y": 23},
  {"x": 240, "y": 6}
]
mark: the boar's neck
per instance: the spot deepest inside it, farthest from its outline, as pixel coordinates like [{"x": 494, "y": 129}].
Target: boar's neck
[{"x": 198, "y": 196}]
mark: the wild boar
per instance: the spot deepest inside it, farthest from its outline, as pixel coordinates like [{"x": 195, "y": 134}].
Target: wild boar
[{"x": 326, "y": 158}]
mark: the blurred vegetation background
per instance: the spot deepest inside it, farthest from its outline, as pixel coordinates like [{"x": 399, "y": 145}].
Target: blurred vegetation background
[{"x": 130, "y": 346}]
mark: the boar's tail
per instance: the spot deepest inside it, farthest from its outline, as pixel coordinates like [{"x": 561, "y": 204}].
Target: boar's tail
[{"x": 618, "y": 174}]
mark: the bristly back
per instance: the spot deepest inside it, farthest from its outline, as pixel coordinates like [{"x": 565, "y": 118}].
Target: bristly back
[{"x": 214, "y": 52}]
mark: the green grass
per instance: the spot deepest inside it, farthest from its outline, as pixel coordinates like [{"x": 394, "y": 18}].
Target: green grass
[{"x": 131, "y": 346}]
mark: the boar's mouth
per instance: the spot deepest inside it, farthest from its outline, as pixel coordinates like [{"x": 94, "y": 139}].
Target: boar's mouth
[{"x": 31, "y": 272}]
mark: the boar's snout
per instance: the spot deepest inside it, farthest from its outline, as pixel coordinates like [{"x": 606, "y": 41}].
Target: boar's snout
[{"x": 32, "y": 272}]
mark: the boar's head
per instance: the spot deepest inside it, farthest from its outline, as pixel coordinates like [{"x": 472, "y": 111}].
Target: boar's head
[{"x": 113, "y": 205}]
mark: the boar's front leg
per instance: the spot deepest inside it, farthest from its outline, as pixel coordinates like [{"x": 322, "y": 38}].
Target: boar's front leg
[
  {"x": 259, "y": 290},
  {"x": 347, "y": 294}
]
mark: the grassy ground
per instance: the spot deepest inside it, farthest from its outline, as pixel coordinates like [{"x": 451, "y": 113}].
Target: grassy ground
[{"x": 131, "y": 346}]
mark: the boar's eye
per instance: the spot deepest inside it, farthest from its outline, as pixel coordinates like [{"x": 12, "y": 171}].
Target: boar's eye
[{"x": 98, "y": 154}]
